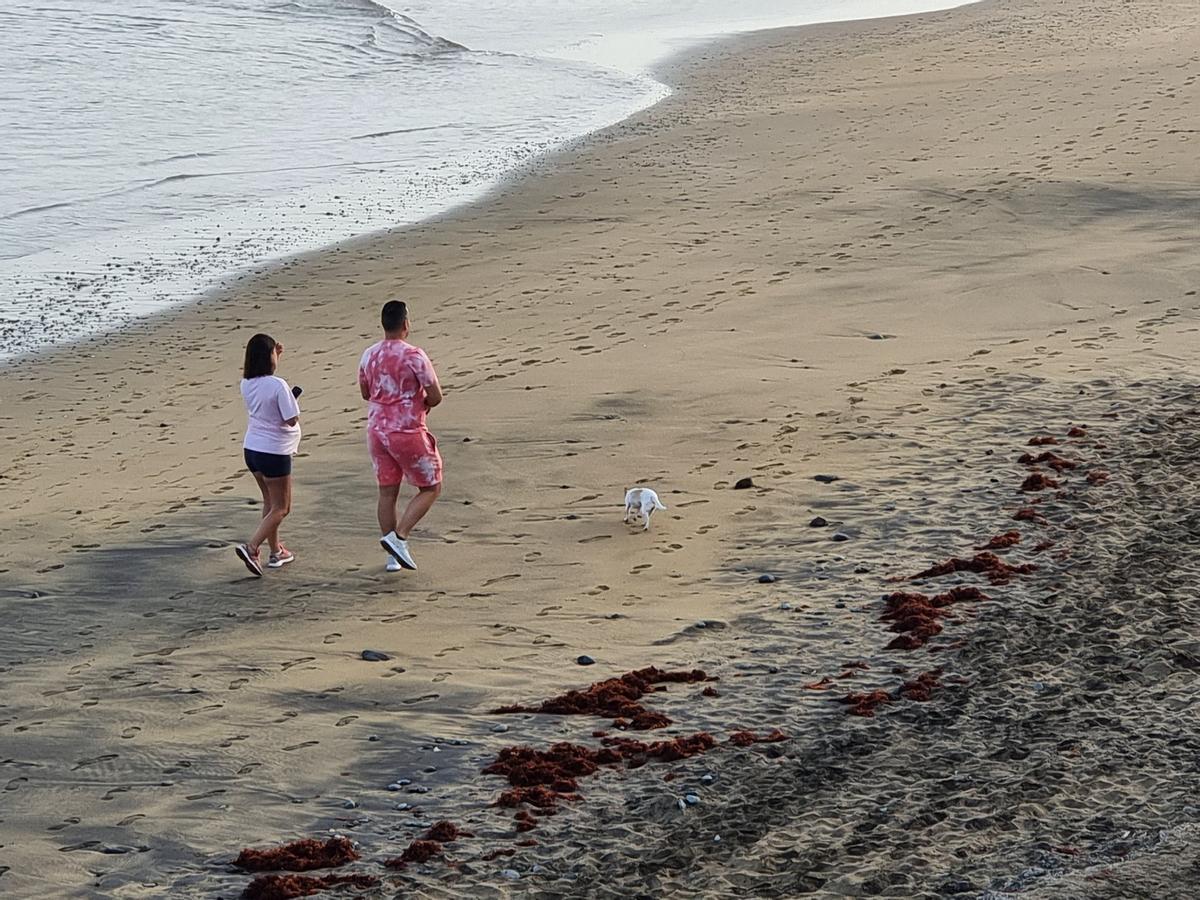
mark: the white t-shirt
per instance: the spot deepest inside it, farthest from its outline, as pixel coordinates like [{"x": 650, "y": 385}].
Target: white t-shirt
[{"x": 270, "y": 404}]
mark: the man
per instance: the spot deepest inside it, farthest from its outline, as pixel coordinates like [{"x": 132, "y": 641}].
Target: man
[{"x": 399, "y": 382}]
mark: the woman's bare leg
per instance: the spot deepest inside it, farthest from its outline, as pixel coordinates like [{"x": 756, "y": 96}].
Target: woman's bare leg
[{"x": 279, "y": 496}]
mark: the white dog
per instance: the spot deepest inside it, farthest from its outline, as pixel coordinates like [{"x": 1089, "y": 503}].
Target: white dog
[{"x": 641, "y": 500}]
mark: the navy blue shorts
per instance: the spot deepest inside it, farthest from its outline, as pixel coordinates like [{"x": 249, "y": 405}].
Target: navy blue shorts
[{"x": 268, "y": 465}]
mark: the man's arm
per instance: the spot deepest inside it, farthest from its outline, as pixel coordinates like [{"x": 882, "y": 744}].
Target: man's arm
[{"x": 433, "y": 395}]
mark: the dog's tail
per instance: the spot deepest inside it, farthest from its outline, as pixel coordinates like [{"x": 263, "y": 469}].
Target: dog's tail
[{"x": 658, "y": 504}]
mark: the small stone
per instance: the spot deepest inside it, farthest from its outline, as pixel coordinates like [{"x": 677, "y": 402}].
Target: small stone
[
  {"x": 785, "y": 605},
  {"x": 767, "y": 579},
  {"x": 708, "y": 778},
  {"x": 375, "y": 656},
  {"x": 510, "y": 874},
  {"x": 691, "y": 799},
  {"x": 418, "y": 789},
  {"x": 742, "y": 483},
  {"x": 500, "y": 729},
  {"x": 401, "y": 807},
  {"x": 585, "y": 660},
  {"x": 466, "y": 440},
  {"x": 395, "y": 786},
  {"x": 827, "y": 479},
  {"x": 716, "y": 839},
  {"x": 818, "y": 522},
  {"x": 429, "y": 770},
  {"x": 349, "y": 804},
  {"x": 536, "y": 869},
  {"x": 701, "y": 624},
  {"x": 682, "y": 806},
  {"x": 839, "y": 536},
  {"x": 372, "y": 737}
]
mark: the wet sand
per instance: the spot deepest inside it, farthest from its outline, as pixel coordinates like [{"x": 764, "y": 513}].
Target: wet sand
[{"x": 889, "y": 251}]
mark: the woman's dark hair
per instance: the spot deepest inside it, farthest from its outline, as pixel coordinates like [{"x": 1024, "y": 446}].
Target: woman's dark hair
[{"x": 258, "y": 357}]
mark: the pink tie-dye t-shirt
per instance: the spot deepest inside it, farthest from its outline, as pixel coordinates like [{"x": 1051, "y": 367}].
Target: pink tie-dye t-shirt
[{"x": 395, "y": 375}]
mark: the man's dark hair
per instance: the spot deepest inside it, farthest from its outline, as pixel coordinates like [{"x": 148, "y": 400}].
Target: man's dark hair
[
  {"x": 395, "y": 314},
  {"x": 258, "y": 357}
]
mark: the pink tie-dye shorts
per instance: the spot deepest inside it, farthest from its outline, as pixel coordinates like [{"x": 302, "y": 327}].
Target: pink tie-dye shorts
[{"x": 399, "y": 456}]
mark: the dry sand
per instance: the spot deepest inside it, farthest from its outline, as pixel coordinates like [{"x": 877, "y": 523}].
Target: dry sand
[{"x": 892, "y": 251}]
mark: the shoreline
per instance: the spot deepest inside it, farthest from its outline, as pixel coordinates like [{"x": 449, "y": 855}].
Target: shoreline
[
  {"x": 539, "y": 160},
  {"x": 797, "y": 267}
]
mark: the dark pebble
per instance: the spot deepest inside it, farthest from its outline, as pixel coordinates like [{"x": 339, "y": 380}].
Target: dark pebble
[
  {"x": 374, "y": 656},
  {"x": 585, "y": 661},
  {"x": 827, "y": 479},
  {"x": 839, "y": 536},
  {"x": 766, "y": 579},
  {"x": 818, "y": 522},
  {"x": 742, "y": 483}
]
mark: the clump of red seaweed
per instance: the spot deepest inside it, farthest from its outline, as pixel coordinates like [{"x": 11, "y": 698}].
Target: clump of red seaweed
[
  {"x": 418, "y": 851},
  {"x": 996, "y": 569},
  {"x": 864, "y": 704},
  {"x": 1002, "y": 541},
  {"x": 1053, "y": 460},
  {"x": 639, "y": 753},
  {"x": 921, "y": 688},
  {"x": 298, "y": 856},
  {"x": 746, "y": 738},
  {"x": 616, "y": 698},
  {"x": 1077, "y": 432},
  {"x": 915, "y": 616},
  {"x": 1042, "y": 440},
  {"x": 428, "y": 845},
  {"x": 1043, "y": 546},
  {"x": 1097, "y": 476},
  {"x": 1038, "y": 481},
  {"x": 287, "y": 887},
  {"x": 1028, "y": 514}
]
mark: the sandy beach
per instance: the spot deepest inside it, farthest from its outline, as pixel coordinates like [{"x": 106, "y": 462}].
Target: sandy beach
[{"x": 890, "y": 252}]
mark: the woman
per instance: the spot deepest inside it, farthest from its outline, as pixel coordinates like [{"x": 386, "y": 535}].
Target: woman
[{"x": 272, "y": 437}]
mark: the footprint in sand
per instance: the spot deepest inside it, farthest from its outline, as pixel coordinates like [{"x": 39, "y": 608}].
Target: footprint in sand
[
  {"x": 446, "y": 650},
  {"x": 343, "y": 721},
  {"x": 545, "y": 611},
  {"x": 248, "y": 768},
  {"x": 400, "y": 618},
  {"x": 230, "y": 741},
  {"x": 498, "y": 579},
  {"x": 200, "y": 709},
  {"x": 441, "y": 676},
  {"x": 15, "y": 783},
  {"x": 113, "y": 792},
  {"x": 213, "y": 793},
  {"x": 290, "y": 714},
  {"x": 394, "y": 671},
  {"x": 237, "y": 683},
  {"x": 299, "y": 746},
  {"x": 91, "y": 761},
  {"x": 411, "y": 700},
  {"x": 331, "y": 638},
  {"x": 592, "y": 540},
  {"x": 295, "y": 662},
  {"x": 130, "y": 732},
  {"x": 64, "y": 824}
]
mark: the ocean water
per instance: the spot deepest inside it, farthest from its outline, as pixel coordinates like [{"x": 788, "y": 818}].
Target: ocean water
[{"x": 153, "y": 149}]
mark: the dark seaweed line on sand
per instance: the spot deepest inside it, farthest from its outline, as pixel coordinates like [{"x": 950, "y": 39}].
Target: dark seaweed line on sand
[{"x": 1071, "y": 653}]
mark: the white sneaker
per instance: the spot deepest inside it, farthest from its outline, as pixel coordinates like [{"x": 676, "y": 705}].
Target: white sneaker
[
  {"x": 393, "y": 565},
  {"x": 398, "y": 548}
]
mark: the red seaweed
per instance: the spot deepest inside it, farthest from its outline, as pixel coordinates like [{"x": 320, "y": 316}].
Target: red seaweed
[
  {"x": 1097, "y": 476},
  {"x": 639, "y": 753},
  {"x": 418, "y": 851},
  {"x": 746, "y": 738},
  {"x": 996, "y": 569},
  {"x": 921, "y": 688},
  {"x": 1043, "y": 546},
  {"x": 864, "y": 704},
  {"x": 824, "y": 684},
  {"x": 526, "y": 821},
  {"x": 496, "y": 854},
  {"x": 616, "y": 698},
  {"x": 298, "y": 856},
  {"x": 1028, "y": 514},
  {"x": 1077, "y": 432},
  {"x": 1042, "y": 441},
  {"x": 1002, "y": 541},
  {"x": 1038, "y": 482},
  {"x": 445, "y": 832},
  {"x": 1053, "y": 460},
  {"x": 916, "y": 616},
  {"x": 286, "y": 887}
]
